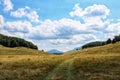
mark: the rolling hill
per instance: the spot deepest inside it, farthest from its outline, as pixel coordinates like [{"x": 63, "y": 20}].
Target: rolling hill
[
  {"x": 98, "y": 63},
  {"x": 18, "y": 51}
]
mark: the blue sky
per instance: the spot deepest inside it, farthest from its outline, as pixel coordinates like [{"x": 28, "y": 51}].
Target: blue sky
[{"x": 60, "y": 24}]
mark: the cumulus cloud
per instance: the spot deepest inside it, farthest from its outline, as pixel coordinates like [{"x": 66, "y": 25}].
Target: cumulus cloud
[
  {"x": 33, "y": 16},
  {"x": 67, "y": 31},
  {"x": 20, "y": 12},
  {"x": 92, "y": 16},
  {"x": 114, "y": 28},
  {"x": 7, "y": 5},
  {"x": 26, "y": 12},
  {"x": 18, "y": 26},
  {"x": 77, "y": 11},
  {"x": 95, "y": 10},
  {"x": 61, "y": 29}
]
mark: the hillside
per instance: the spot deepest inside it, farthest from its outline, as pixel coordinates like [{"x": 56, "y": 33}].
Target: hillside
[
  {"x": 110, "y": 48},
  {"x": 10, "y": 41},
  {"x": 98, "y": 63},
  {"x": 19, "y": 51}
]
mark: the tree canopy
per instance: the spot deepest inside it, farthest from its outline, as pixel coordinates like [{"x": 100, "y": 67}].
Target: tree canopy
[{"x": 15, "y": 42}]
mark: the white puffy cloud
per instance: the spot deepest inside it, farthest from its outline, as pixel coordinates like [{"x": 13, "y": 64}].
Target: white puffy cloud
[
  {"x": 26, "y": 12},
  {"x": 113, "y": 28},
  {"x": 77, "y": 11},
  {"x": 94, "y": 11},
  {"x": 58, "y": 29},
  {"x": 7, "y": 5},
  {"x": 92, "y": 16},
  {"x": 33, "y": 16},
  {"x": 18, "y": 26},
  {"x": 20, "y": 12}
]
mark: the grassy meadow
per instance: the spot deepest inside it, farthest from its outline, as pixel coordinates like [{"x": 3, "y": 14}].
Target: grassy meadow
[{"x": 99, "y": 63}]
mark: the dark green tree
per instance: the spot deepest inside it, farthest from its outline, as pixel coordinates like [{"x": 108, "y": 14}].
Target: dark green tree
[
  {"x": 113, "y": 41},
  {"x": 109, "y": 41}
]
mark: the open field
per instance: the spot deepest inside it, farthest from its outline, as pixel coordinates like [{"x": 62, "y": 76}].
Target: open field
[{"x": 99, "y": 63}]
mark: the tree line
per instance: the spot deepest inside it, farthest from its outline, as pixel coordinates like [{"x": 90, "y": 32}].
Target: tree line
[
  {"x": 15, "y": 42},
  {"x": 101, "y": 43}
]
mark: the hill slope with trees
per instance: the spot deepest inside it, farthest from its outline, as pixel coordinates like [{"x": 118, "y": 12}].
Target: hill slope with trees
[
  {"x": 8, "y": 41},
  {"x": 101, "y": 43}
]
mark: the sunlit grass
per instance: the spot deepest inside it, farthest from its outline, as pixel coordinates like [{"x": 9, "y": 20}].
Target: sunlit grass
[
  {"x": 97, "y": 67},
  {"x": 99, "y": 63}
]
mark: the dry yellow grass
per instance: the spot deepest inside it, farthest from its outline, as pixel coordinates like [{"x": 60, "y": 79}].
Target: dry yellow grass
[{"x": 99, "y": 63}]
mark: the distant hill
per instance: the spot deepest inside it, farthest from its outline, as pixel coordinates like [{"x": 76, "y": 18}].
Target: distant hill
[
  {"x": 9, "y": 41},
  {"x": 54, "y": 51}
]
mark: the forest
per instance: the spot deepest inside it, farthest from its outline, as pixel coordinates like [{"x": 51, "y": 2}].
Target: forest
[{"x": 15, "y": 42}]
